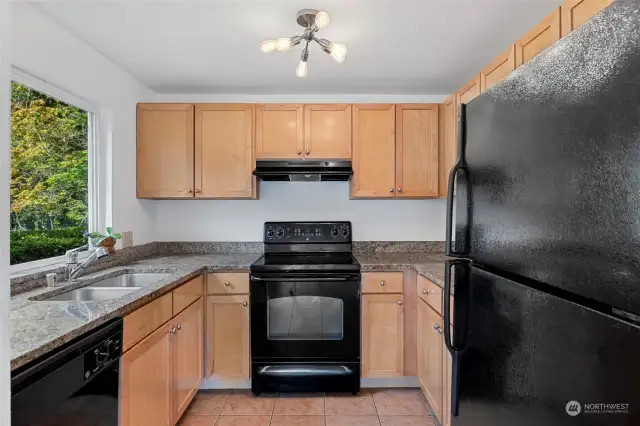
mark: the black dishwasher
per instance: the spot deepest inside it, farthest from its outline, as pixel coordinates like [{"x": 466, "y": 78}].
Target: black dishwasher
[{"x": 77, "y": 385}]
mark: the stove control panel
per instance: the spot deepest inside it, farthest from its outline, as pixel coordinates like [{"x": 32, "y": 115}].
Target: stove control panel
[{"x": 307, "y": 232}]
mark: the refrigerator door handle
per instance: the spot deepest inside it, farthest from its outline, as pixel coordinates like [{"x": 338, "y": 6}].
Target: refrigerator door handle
[
  {"x": 453, "y": 349},
  {"x": 459, "y": 165}
]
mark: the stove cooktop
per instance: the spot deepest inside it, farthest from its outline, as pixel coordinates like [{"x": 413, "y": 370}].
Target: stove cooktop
[{"x": 308, "y": 262}]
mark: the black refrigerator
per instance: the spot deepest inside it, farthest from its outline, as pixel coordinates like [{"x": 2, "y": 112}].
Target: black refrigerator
[{"x": 546, "y": 229}]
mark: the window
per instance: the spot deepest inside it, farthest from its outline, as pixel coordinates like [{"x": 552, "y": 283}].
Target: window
[{"x": 49, "y": 175}]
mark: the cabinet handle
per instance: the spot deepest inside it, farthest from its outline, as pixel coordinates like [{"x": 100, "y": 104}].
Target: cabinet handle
[
  {"x": 174, "y": 330},
  {"x": 307, "y": 152},
  {"x": 382, "y": 283},
  {"x": 197, "y": 191},
  {"x": 437, "y": 328},
  {"x": 440, "y": 330},
  {"x": 179, "y": 327},
  {"x": 299, "y": 151},
  {"x": 189, "y": 191},
  {"x": 425, "y": 292},
  {"x": 399, "y": 189},
  {"x": 390, "y": 189},
  {"x": 227, "y": 283},
  {"x": 244, "y": 303},
  {"x": 399, "y": 302}
]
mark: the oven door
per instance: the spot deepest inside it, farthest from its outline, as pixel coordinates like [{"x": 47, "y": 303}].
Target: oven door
[{"x": 305, "y": 316}]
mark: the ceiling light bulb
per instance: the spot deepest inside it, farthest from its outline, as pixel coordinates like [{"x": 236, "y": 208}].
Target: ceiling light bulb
[
  {"x": 283, "y": 44},
  {"x": 268, "y": 45},
  {"x": 301, "y": 71},
  {"x": 338, "y": 52},
  {"x": 322, "y": 20}
]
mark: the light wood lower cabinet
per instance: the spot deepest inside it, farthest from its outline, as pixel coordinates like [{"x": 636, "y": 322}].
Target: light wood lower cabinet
[
  {"x": 188, "y": 360},
  {"x": 146, "y": 380},
  {"x": 228, "y": 336},
  {"x": 430, "y": 356},
  {"x": 382, "y": 335}
]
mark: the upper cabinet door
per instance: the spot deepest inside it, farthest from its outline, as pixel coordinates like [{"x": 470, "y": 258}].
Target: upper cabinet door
[
  {"x": 373, "y": 151},
  {"x": 497, "y": 70},
  {"x": 279, "y": 131},
  {"x": 165, "y": 151},
  {"x": 327, "y": 131},
  {"x": 577, "y": 12},
  {"x": 538, "y": 38},
  {"x": 224, "y": 151},
  {"x": 448, "y": 151},
  {"x": 417, "y": 150},
  {"x": 469, "y": 91}
]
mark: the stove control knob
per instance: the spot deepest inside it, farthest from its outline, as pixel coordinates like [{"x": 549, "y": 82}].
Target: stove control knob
[
  {"x": 344, "y": 232},
  {"x": 270, "y": 232},
  {"x": 280, "y": 233},
  {"x": 334, "y": 232}
]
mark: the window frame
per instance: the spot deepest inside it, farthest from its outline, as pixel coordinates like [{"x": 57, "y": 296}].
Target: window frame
[{"x": 96, "y": 184}]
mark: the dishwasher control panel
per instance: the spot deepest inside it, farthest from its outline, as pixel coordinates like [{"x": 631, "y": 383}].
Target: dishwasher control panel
[{"x": 102, "y": 354}]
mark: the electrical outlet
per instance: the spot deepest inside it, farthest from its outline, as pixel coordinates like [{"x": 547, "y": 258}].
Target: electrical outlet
[{"x": 127, "y": 239}]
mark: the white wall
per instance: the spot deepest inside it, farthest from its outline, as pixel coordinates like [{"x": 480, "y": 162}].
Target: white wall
[
  {"x": 217, "y": 220},
  {"x": 46, "y": 50},
  {"x": 5, "y": 165}
]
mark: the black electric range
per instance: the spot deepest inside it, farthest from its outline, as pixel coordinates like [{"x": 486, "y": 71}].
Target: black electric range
[{"x": 305, "y": 310}]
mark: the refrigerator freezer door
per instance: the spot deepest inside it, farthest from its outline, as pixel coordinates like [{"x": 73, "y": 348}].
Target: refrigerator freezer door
[
  {"x": 552, "y": 158},
  {"x": 528, "y": 354}
]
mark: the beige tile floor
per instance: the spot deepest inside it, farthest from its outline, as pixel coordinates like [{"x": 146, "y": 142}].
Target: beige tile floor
[{"x": 384, "y": 407}]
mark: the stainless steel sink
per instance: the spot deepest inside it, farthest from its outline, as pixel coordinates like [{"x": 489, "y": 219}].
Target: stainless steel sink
[
  {"x": 129, "y": 280},
  {"x": 92, "y": 294}
]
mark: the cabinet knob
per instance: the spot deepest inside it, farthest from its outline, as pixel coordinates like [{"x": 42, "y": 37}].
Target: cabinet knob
[
  {"x": 390, "y": 189},
  {"x": 299, "y": 151},
  {"x": 382, "y": 283},
  {"x": 244, "y": 303},
  {"x": 399, "y": 189},
  {"x": 399, "y": 302},
  {"x": 227, "y": 283},
  {"x": 440, "y": 330},
  {"x": 425, "y": 291},
  {"x": 307, "y": 152},
  {"x": 179, "y": 327},
  {"x": 174, "y": 330},
  {"x": 197, "y": 191},
  {"x": 189, "y": 191}
]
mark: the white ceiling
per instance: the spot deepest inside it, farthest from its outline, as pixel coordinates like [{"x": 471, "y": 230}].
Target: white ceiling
[{"x": 394, "y": 46}]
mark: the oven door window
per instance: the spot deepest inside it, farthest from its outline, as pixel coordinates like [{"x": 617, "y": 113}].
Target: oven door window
[{"x": 305, "y": 318}]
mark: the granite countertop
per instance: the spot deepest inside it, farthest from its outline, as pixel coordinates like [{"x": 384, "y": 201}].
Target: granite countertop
[{"x": 38, "y": 327}]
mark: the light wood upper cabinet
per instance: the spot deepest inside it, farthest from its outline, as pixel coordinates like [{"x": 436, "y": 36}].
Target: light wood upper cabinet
[
  {"x": 373, "y": 151},
  {"x": 165, "y": 151},
  {"x": 228, "y": 336},
  {"x": 497, "y": 70},
  {"x": 430, "y": 356},
  {"x": 188, "y": 359},
  {"x": 146, "y": 381},
  {"x": 224, "y": 151},
  {"x": 538, "y": 38},
  {"x": 417, "y": 150},
  {"x": 382, "y": 335},
  {"x": 469, "y": 91},
  {"x": 279, "y": 131},
  {"x": 448, "y": 151},
  {"x": 327, "y": 130},
  {"x": 577, "y": 12}
]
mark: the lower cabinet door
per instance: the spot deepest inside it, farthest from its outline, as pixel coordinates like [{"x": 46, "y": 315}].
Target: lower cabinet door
[
  {"x": 430, "y": 356},
  {"x": 145, "y": 381},
  {"x": 228, "y": 336},
  {"x": 446, "y": 380},
  {"x": 382, "y": 335},
  {"x": 188, "y": 361}
]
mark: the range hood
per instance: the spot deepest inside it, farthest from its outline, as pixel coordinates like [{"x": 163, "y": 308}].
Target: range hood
[{"x": 303, "y": 170}]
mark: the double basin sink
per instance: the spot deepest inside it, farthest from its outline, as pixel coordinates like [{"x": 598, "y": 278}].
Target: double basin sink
[{"x": 109, "y": 288}]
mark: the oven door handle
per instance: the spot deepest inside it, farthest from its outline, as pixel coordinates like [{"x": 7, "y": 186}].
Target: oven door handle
[{"x": 305, "y": 279}]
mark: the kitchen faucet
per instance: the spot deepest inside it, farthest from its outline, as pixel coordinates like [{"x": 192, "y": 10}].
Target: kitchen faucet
[{"x": 71, "y": 259}]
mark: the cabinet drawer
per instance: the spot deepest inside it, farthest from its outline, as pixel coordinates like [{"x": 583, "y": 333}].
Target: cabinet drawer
[
  {"x": 141, "y": 323},
  {"x": 430, "y": 293},
  {"x": 382, "y": 282},
  {"x": 186, "y": 294},
  {"x": 228, "y": 283}
]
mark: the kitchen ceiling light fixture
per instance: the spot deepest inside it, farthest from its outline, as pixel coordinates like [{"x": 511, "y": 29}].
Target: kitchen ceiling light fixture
[{"x": 312, "y": 20}]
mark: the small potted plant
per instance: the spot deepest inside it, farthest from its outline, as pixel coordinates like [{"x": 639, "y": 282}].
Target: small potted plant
[{"x": 107, "y": 241}]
